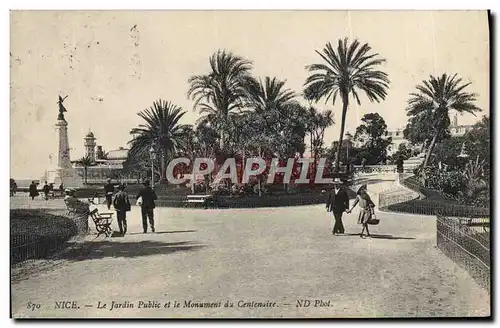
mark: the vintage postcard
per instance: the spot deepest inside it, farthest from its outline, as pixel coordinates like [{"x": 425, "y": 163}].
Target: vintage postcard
[{"x": 250, "y": 164}]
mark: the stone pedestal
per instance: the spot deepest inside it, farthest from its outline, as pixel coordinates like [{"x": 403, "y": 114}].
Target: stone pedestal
[{"x": 64, "y": 172}]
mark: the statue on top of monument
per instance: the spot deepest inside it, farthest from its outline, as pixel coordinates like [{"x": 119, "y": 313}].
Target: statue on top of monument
[{"x": 62, "y": 109}]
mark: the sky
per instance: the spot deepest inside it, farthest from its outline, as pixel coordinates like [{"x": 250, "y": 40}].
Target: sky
[{"x": 113, "y": 64}]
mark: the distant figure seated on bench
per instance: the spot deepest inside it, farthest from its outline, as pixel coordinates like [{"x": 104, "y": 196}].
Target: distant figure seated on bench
[
  {"x": 78, "y": 209},
  {"x": 76, "y": 206},
  {"x": 57, "y": 193},
  {"x": 199, "y": 199}
]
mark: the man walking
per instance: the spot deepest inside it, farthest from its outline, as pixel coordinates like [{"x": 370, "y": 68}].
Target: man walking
[
  {"x": 146, "y": 198},
  {"x": 121, "y": 203},
  {"x": 46, "y": 190},
  {"x": 109, "y": 190},
  {"x": 338, "y": 203},
  {"x": 33, "y": 190}
]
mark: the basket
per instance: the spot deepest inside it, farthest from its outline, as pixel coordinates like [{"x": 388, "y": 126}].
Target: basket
[{"x": 373, "y": 220}]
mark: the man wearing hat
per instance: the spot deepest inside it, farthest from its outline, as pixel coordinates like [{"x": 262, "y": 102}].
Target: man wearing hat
[
  {"x": 148, "y": 197},
  {"x": 338, "y": 203},
  {"x": 109, "y": 190},
  {"x": 121, "y": 203}
]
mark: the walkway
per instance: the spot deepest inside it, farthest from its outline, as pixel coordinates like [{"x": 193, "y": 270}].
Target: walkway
[{"x": 281, "y": 255}]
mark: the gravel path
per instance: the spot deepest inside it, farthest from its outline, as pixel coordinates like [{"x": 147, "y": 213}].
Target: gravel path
[{"x": 278, "y": 257}]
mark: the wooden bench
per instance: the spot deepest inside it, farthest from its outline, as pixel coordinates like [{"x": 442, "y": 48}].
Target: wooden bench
[
  {"x": 57, "y": 193},
  {"x": 199, "y": 199},
  {"x": 102, "y": 222}
]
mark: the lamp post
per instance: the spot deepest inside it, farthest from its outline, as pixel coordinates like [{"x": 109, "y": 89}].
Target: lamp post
[{"x": 152, "y": 153}]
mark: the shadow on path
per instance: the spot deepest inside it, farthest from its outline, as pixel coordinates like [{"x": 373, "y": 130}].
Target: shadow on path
[
  {"x": 375, "y": 236},
  {"x": 388, "y": 237},
  {"x": 106, "y": 248},
  {"x": 161, "y": 232}
]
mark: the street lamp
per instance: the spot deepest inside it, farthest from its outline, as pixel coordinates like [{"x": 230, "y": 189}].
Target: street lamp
[{"x": 152, "y": 153}]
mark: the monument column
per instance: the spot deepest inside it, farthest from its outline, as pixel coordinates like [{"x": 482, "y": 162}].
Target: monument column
[
  {"x": 65, "y": 173},
  {"x": 64, "y": 161}
]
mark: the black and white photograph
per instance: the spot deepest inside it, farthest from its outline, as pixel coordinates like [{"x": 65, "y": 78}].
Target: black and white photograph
[{"x": 250, "y": 164}]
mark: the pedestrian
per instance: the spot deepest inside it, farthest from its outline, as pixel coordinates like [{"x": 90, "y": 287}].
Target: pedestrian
[
  {"x": 33, "y": 190},
  {"x": 109, "y": 190},
  {"x": 146, "y": 199},
  {"x": 366, "y": 206},
  {"x": 46, "y": 190},
  {"x": 400, "y": 166},
  {"x": 121, "y": 203},
  {"x": 338, "y": 203},
  {"x": 61, "y": 187},
  {"x": 13, "y": 187},
  {"x": 363, "y": 165}
]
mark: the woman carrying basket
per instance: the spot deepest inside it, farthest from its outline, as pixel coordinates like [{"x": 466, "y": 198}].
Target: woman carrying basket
[{"x": 366, "y": 214}]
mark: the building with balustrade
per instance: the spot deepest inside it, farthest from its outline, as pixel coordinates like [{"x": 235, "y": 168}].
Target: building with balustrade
[
  {"x": 105, "y": 165},
  {"x": 456, "y": 130}
]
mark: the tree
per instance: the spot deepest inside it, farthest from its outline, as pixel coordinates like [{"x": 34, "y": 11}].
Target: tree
[
  {"x": 85, "y": 162},
  {"x": 373, "y": 134},
  {"x": 419, "y": 128},
  {"x": 275, "y": 116},
  {"x": 403, "y": 151},
  {"x": 478, "y": 142},
  {"x": 161, "y": 130},
  {"x": 220, "y": 93},
  {"x": 346, "y": 71},
  {"x": 433, "y": 101},
  {"x": 316, "y": 123},
  {"x": 137, "y": 164}
]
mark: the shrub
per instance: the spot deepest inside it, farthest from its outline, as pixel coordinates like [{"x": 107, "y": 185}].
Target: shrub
[{"x": 37, "y": 233}]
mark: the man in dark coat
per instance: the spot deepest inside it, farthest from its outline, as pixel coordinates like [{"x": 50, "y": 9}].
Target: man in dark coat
[
  {"x": 400, "y": 164},
  {"x": 148, "y": 197},
  {"x": 109, "y": 190},
  {"x": 33, "y": 190},
  {"x": 338, "y": 203},
  {"x": 46, "y": 190},
  {"x": 121, "y": 203}
]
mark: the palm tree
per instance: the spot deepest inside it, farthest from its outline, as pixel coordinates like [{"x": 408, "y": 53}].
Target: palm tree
[
  {"x": 317, "y": 123},
  {"x": 161, "y": 130},
  {"x": 219, "y": 93},
  {"x": 347, "y": 70},
  {"x": 271, "y": 106},
  {"x": 435, "y": 98},
  {"x": 85, "y": 162}
]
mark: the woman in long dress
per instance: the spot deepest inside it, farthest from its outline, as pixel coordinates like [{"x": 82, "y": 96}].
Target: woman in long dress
[
  {"x": 33, "y": 190},
  {"x": 366, "y": 206}
]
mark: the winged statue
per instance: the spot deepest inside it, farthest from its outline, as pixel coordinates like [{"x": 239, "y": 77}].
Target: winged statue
[{"x": 62, "y": 109}]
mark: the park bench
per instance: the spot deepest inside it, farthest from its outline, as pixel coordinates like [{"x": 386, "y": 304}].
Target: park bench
[
  {"x": 102, "y": 222},
  {"x": 199, "y": 199},
  {"x": 57, "y": 193}
]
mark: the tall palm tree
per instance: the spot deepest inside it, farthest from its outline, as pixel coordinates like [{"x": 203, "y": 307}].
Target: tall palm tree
[
  {"x": 219, "y": 93},
  {"x": 435, "y": 98},
  {"x": 346, "y": 71},
  {"x": 161, "y": 129},
  {"x": 85, "y": 162}
]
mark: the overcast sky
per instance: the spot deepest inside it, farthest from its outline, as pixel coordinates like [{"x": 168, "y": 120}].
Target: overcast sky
[{"x": 113, "y": 64}]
